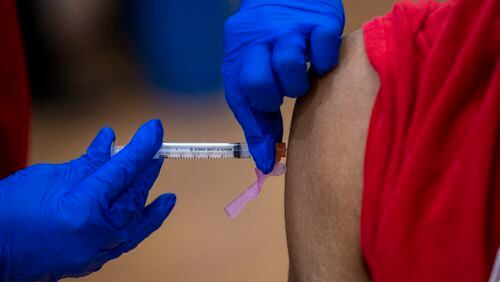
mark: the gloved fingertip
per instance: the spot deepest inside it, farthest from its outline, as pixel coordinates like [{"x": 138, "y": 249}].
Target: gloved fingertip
[
  {"x": 170, "y": 201},
  {"x": 157, "y": 126},
  {"x": 159, "y": 210},
  {"x": 264, "y": 155},
  {"x": 99, "y": 149},
  {"x": 156, "y": 123},
  {"x": 148, "y": 139},
  {"x": 107, "y": 133},
  {"x": 163, "y": 205},
  {"x": 325, "y": 45},
  {"x": 104, "y": 137},
  {"x": 155, "y": 214},
  {"x": 266, "y": 167}
]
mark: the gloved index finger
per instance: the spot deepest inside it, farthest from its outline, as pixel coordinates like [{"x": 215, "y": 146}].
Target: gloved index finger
[
  {"x": 114, "y": 177},
  {"x": 262, "y": 129}
]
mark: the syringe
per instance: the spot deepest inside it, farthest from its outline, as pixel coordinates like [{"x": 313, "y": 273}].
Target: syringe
[{"x": 206, "y": 151}]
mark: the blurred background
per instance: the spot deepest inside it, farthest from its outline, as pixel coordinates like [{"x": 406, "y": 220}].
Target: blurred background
[{"x": 120, "y": 63}]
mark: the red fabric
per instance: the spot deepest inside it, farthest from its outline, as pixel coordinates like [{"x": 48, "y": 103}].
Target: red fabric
[
  {"x": 431, "y": 203},
  {"x": 14, "y": 94}
]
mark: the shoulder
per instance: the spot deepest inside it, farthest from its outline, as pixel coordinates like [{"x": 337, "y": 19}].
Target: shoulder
[
  {"x": 338, "y": 105},
  {"x": 324, "y": 181}
]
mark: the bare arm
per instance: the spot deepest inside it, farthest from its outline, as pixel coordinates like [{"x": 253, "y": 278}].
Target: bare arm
[{"x": 325, "y": 170}]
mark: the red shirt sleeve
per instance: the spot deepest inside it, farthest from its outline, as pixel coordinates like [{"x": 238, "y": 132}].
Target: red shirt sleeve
[
  {"x": 431, "y": 202},
  {"x": 14, "y": 93}
]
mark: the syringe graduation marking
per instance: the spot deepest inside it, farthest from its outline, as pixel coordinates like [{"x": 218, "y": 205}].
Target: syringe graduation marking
[{"x": 206, "y": 150}]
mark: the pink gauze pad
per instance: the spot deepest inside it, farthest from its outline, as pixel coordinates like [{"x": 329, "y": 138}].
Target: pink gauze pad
[{"x": 237, "y": 205}]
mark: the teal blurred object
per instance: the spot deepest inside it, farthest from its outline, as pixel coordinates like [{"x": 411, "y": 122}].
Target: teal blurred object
[{"x": 180, "y": 42}]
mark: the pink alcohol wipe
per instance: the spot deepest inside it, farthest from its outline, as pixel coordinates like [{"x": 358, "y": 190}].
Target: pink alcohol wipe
[{"x": 238, "y": 204}]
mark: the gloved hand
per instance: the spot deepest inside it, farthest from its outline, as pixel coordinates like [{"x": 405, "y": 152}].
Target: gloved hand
[
  {"x": 67, "y": 220},
  {"x": 267, "y": 45}
]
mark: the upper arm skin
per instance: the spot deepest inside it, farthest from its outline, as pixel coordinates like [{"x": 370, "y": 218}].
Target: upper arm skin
[{"x": 324, "y": 180}]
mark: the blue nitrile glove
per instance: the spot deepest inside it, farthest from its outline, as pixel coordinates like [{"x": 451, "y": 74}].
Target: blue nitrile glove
[
  {"x": 67, "y": 220},
  {"x": 267, "y": 45}
]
